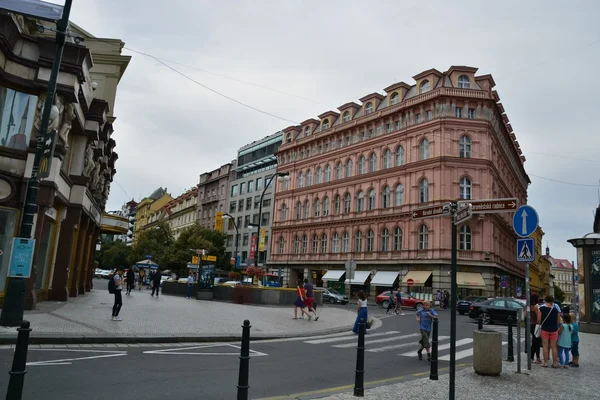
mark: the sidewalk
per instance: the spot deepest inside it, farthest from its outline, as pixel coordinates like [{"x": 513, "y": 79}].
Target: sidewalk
[
  {"x": 539, "y": 383},
  {"x": 87, "y": 319}
]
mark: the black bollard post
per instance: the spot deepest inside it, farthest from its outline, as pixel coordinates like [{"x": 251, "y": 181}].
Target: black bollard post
[
  {"x": 433, "y": 375},
  {"x": 480, "y": 323},
  {"x": 18, "y": 371},
  {"x": 242, "y": 393},
  {"x": 359, "y": 377},
  {"x": 511, "y": 356}
]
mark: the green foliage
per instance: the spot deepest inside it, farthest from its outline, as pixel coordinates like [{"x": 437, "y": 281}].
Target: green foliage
[
  {"x": 112, "y": 255},
  {"x": 559, "y": 294},
  {"x": 155, "y": 241}
]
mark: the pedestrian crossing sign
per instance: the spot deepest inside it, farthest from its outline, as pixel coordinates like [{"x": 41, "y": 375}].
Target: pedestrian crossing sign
[{"x": 525, "y": 250}]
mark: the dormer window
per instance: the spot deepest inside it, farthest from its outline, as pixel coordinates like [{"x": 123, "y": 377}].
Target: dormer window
[
  {"x": 325, "y": 124},
  {"x": 288, "y": 138},
  {"x": 307, "y": 131},
  {"x": 424, "y": 87},
  {"x": 464, "y": 82},
  {"x": 346, "y": 116},
  {"x": 369, "y": 108},
  {"x": 394, "y": 98}
]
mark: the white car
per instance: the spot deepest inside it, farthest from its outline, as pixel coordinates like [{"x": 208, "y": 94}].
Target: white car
[{"x": 232, "y": 283}]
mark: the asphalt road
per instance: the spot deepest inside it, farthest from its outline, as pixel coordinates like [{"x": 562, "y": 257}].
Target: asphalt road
[{"x": 210, "y": 371}]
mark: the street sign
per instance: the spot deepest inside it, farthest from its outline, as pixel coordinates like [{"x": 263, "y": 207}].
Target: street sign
[
  {"x": 504, "y": 284},
  {"x": 261, "y": 242},
  {"x": 492, "y": 206},
  {"x": 431, "y": 211},
  {"x": 525, "y": 221},
  {"x": 253, "y": 247},
  {"x": 463, "y": 214},
  {"x": 410, "y": 282},
  {"x": 350, "y": 268},
  {"x": 209, "y": 258},
  {"x": 21, "y": 258},
  {"x": 48, "y": 145},
  {"x": 525, "y": 250},
  {"x": 148, "y": 256},
  {"x": 219, "y": 221},
  {"x": 195, "y": 260}
]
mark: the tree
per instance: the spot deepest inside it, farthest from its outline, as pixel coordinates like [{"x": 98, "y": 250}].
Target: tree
[
  {"x": 113, "y": 254},
  {"x": 559, "y": 294},
  {"x": 193, "y": 238},
  {"x": 154, "y": 241}
]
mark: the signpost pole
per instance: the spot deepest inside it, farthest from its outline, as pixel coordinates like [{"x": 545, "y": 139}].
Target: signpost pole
[
  {"x": 528, "y": 318},
  {"x": 451, "y": 393}
]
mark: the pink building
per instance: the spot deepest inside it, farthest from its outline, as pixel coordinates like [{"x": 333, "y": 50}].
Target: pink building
[{"x": 356, "y": 175}]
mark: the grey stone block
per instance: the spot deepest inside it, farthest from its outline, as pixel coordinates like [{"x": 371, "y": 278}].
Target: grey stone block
[{"x": 487, "y": 352}]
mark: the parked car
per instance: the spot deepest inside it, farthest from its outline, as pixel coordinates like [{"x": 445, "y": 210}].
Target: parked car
[
  {"x": 98, "y": 273},
  {"x": 407, "y": 300},
  {"x": 105, "y": 274},
  {"x": 332, "y": 296},
  {"x": 495, "y": 310},
  {"x": 464, "y": 305}
]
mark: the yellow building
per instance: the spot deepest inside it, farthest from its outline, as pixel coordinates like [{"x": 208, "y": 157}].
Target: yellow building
[
  {"x": 148, "y": 207},
  {"x": 540, "y": 268}
]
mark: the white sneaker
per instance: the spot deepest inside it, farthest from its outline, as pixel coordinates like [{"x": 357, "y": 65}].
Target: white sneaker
[{"x": 117, "y": 319}]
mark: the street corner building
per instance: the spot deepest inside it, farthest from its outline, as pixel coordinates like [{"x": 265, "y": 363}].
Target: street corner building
[
  {"x": 357, "y": 175},
  {"x": 73, "y": 196}
]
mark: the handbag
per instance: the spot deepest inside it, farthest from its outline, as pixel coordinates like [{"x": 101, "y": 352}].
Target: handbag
[{"x": 538, "y": 327}]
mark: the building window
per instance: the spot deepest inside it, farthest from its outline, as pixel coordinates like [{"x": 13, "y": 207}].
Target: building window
[
  {"x": 394, "y": 98},
  {"x": 464, "y": 146},
  {"x": 369, "y": 108},
  {"x": 424, "y": 191},
  {"x": 339, "y": 171},
  {"x": 385, "y": 240},
  {"x": 301, "y": 180},
  {"x": 399, "y": 156},
  {"x": 232, "y": 207},
  {"x": 306, "y": 209},
  {"x": 283, "y": 212},
  {"x": 249, "y": 203},
  {"x": 319, "y": 176},
  {"x": 337, "y": 204},
  {"x": 317, "y": 212},
  {"x": 424, "y": 149},
  {"x": 304, "y": 243},
  {"x": 349, "y": 169},
  {"x": 335, "y": 243},
  {"x": 325, "y": 124},
  {"x": 361, "y": 165},
  {"x": 397, "y": 239},
  {"x": 371, "y": 205},
  {"x": 307, "y": 131},
  {"x": 234, "y": 190},
  {"x": 308, "y": 177},
  {"x": 387, "y": 159},
  {"x": 250, "y": 186},
  {"x": 358, "y": 242},
  {"x": 315, "y": 244},
  {"x": 458, "y": 112},
  {"x": 390, "y": 127},
  {"x": 464, "y": 82},
  {"x": 324, "y": 243},
  {"x": 298, "y": 211},
  {"x": 345, "y": 242},
  {"x": 466, "y": 238},
  {"x": 245, "y": 240},
  {"x": 360, "y": 202},
  {"x": 429, "y": 115},
  {"x": 259, "y": 183},
  {"x": 281, "y": 244},
  {"x": 370, "y": 241},
  {"x": 399, "y": 195},
  {"x": 347, "y": 203},
  {"x": 327, "y": 173},
  {"x": 346, "y": 116},
  {"x": 419, "y": 118},
  {"x": 326, "y": 206},
  {"x": 288, "y": 138},
  {"x": 424, "y": 87},
  {"x": 17, "y": 114},
  {"x": 296, "y": 244},
  {"x": 471, "y": 113},
  {"x": 266, "y": 219},
  {"x": 423, "y": 237},
  {"x": 386, "y": 197},
  {"x": 240, "y": 205},
  {"x": 466, "y": 188},
  {"x": 373, "y": 162},
  {"x": 242, "y": 187}
]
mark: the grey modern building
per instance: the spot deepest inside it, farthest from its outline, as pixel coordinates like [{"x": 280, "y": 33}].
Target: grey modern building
[{"x": 256, "y": 164}]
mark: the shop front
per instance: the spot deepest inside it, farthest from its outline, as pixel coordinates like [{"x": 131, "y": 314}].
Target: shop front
[
  {"x": 333, "y": 279},
  {"x": 360, "y": 281},
  {"x": 384, "y": 281},
  {"x": 470, "y": 284},
  {"x": 419, "y": 284}
]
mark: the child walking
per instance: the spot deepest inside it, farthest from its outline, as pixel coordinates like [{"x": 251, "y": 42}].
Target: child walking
[
  {"x": 575, "y": 345},
  {"x": 392, "y": 302},
  {"x": 564, "y": 341}
]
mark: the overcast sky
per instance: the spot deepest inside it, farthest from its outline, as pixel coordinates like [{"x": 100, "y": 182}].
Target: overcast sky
[{"x": 543, "y": 56}]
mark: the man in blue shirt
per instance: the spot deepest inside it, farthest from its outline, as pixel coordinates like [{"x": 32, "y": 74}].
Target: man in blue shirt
[{"x": 425, "y": 318}]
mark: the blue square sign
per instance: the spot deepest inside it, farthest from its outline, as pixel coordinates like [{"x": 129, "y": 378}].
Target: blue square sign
[{"x": 525, "y": 250}]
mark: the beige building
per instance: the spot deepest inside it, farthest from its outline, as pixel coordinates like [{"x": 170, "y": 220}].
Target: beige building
[
  {"x": 562, "y": 271},
  {"x": 147, "y": 207},
  {"x": 179, "y": 213},
  {"x": 213, "y": 194}
]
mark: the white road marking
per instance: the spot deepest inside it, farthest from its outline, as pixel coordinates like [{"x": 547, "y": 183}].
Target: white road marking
[
  {"x": 399, "y": 346},
  {"x": 385, "y": 340},
  {"x": 67, "y": 361},
  {"x": 446, "y": 346},
  {"x": 182, "y": 350},
  {"x": 349, "y": 337}
]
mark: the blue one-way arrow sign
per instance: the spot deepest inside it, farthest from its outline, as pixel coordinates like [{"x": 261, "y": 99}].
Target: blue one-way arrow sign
[
  {"x": 525, "y": 250},
  {"x": 525, "y": 221}
]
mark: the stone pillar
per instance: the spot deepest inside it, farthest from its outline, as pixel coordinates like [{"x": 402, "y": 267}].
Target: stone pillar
[
  {"x": 77, "y": 264},
  {"x": 90, "y": 264},
  {"x": 85, "y": 260},
  {"x": 65, "y": 253}
]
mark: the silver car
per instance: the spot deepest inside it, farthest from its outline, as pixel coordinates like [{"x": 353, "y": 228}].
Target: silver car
[{"x": 332, "y": 296}]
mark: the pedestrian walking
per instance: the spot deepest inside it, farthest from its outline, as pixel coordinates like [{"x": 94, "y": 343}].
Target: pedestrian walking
[
  {"x": 190, "y": 283},
  {"x": 309, "y": 301},
  {"x": 399, "y": 302},
  {"x": 299, "y": 303},
  {"x": 446, "y": 299},
  {"x": 130, "y": 281},
  {"x": 116, "y": 286},
  {"x": 425, "y": 318},
  {"x": 391, "y": 302},
  {"x": 439, "y": 298},
  {"x": 536, "y": 342},
  {"x": 362, "y": 311},
  {"x": 156, "y": 282}
]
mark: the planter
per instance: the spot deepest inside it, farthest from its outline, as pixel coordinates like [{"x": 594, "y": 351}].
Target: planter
[
  {"x": 204, "y": 294},
  {"x": 247, "y": 294}
]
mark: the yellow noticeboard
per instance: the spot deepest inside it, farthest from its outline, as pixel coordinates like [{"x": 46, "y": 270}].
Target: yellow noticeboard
[
  {"x": 219, "y": 221},
  {"x": 195, "y": 260},
  {"x": 261, "y": 242},
  {"x": 209, "y": 258}
]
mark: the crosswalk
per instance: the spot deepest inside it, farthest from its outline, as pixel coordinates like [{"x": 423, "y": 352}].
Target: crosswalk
[{"x": 395, "y": 342}]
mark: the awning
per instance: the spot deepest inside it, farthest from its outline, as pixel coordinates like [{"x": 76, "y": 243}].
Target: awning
[
  {"x": 384, "y": 278},
  {"x": 333, "y": 275},
  {"x": 359, "y": 277},
  {"x": 418, "y": 277},
  {"x": 472, "y": 280}
]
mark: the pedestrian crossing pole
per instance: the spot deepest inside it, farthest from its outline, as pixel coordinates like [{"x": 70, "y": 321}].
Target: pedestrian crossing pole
[
  {"x": 528, "y": 318},
  {"x": 451, "y": 393}
]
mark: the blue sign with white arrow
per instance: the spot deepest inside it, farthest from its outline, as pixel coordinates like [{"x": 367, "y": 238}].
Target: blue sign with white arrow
[
  {"x": 525, "y": 250},
  {"x": 525, "y": 221}
]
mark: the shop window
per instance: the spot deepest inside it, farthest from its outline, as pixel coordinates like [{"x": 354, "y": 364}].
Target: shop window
[{"x": 17, "y": 113}]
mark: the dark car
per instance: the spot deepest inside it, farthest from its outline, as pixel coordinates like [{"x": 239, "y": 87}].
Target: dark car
[
  {"x": 464, "y": 305},
  {"x": 495, "y": 310},
  {"x": 333, "y": 297}
]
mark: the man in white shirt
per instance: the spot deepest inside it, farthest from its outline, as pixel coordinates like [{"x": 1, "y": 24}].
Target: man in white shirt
[{"x": 190, "y": 283}]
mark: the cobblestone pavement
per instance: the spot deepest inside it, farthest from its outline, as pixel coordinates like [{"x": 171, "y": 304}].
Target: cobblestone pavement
[{"x": 170, "y": 317}]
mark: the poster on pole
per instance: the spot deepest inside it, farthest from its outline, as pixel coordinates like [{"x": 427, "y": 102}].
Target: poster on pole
[
  {"x": 261, "y": 242},
  {"x": 595, "y": 284},
  {"x": 21, "y": 258}
]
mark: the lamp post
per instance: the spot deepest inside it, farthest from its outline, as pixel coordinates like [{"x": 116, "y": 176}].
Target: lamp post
[{"x": 237, "y": 234}]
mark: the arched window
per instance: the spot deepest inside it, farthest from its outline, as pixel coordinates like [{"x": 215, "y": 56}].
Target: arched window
[
  {"x": 424, "y": 191},
  {"x": 399, "y": 195},
  {"x": 296, "y": 244},
  {"x": 308, "y": 177},
  {"x": 281, "y": 244},
  {"x": 369, "y": 108},
  {"x": 386, "y": 198},
  {"x": 283, "y": 212},
  {"x": 346, "y": 116},
  {"x": 373, "y": 162},
  {"x": 325, "y": 206},
  {"x": 385, "y": 240},
  {"x": 339, "y": 171},
  {"x": 345, "y": 242},
  {"x": 349, "y": 169},
  {"x": 307, "y": 131},
  {"x": 423, "y": 237},
  {"x": 466, "y": 238},
  {"x": 315, "y": 244},
  {"x": 464, "y": 82},
  {"x": 466, "y": 188},
  {"x": 327, "y": 173},
  {"x": 347, "y": 203},
  {"x": 361, "y": 165},
  {"x": 394, "y": 98},
  {"x": 298, "y": 210},
  {"x": 306, "y": 209},
  {"x": 301, "y": 180},
  {"x": 387, "y": 158},
  {"x": 337, "y": 204},
  {"x": 424, "y": 149},
  {"x": 464, "y": 147},
  {"x": 360, "y": 201},
  {"x": 424, "y": 87},
  {"x": 317, "y": 208},
  {"x": 319, "y": 176},
  {"x": 397, "y": 239},
  {"x": 371, "y": 204},
  {"x": 399, "y": 156},
  {"x": 358, "y": 242},
  {"x": 323, "y": 243},
  {"x": 325, "y": 124},
  {"x": 370, "y": 240},
  {"x": 304, "y": 243},
  {"x": 335, "y": 243}
]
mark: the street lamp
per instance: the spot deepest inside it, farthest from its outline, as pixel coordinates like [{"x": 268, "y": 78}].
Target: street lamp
[
  {"x": 237, "y": 234},
  {"x": 281, "y": 176}
]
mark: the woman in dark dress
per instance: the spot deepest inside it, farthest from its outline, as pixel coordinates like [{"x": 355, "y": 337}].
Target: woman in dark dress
[{"x": 299, "y": 303}]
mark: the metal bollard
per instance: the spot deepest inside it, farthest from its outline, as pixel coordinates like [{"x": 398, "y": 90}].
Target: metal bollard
[
  {"x": 511, "y": 356},
  {"x": 242, "y": 393},
  {"x": 519, "y": 341},
  {"x": 359, "y": 376},
  {"x": 18, "y": 371},
  {"x": 433, "y": 375},
  {"x": 480, "y": 323}
]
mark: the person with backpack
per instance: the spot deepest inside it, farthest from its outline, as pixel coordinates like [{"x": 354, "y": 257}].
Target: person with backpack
[
  {"x": 399, "y": 302},
  {"x": 114, "y": 287},
  {"x": 156, "y": 282}
]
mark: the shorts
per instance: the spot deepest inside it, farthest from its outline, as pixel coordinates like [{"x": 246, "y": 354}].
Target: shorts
[
  {"x": 425, "y": 339},
  {"x": 309, "y": 302},
  {"x": 549, "y": 335},
  {"x": 575, "y": 349}
]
